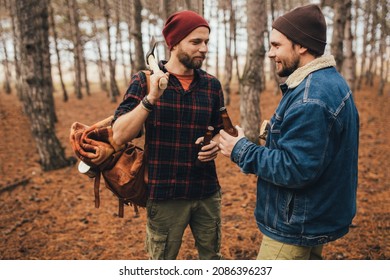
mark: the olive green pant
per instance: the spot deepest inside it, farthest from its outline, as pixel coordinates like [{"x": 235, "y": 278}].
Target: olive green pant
[
  {"x": 167, "y": 221},
  {"x": 271, "y": 249}
]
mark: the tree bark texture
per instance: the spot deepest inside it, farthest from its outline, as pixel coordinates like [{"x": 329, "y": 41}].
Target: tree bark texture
[
  {"x": 349, "y": 64},
  {"x": 251, "y": 82},
  {"x": 228, "y": 73},
  {"x": 216, "y": 34},
  {"x": 99, "y": 59},
  {"x": 33, "y": 26},
  {"x": 18, "y": 82},
  {"x": 114, "y": 91},
  {"x": 7, "y": 72},
  {"x": 366, "y": 25},
  {"x": 57, "y": 51},
  {"x": 136, "y": 17},
  {"x": 339, "y": 20},
  {"x": 77, "y": 49},
  {"x": 373, "y": 53},
  {"x": 384, "y": 33}
]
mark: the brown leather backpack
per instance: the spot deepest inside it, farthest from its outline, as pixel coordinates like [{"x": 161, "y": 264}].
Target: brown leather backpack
[{"x": 123, "y": 168}]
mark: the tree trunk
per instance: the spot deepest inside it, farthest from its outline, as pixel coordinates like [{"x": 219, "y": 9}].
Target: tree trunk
[
  {"x": 251, "y": 82},
  {"x": 273, "y": 75},
  {"x": 128, "y": 7},
  {"x": 217, "y": 44},
  {"x": 125, "y": 69},
  {"x": 168, "y": 8},
  {"x": 349, "y": 65},
  {"x": 227, "y": 78},
  {"x": 136, "y": 33},
  {"x": 74, "y": 25},
  {"x": 16, "y": 52},
  {"x": 369, "y": 76},
  {"x": 85, "y": 73},
  {"x": 206, "y": 63},
  {"x": 339, "y": 19},
  {"x": 119, "y": 40},
  {"x": 366, "y": 33},
  {"x": 54, "y": 31},
  {"x": 356, "y": 23},
  {"x": 32, "y": 17},
  {"x": 7, "y": 73},
  {"x": 131, "y": 49},
  {"x": 99, "y": 61},
  {"x": 382, "y": 47},
  {"x": 114, "y": 91},
  {"x": 235, "y": 54}
]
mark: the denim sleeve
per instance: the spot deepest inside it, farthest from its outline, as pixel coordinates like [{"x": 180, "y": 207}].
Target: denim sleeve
[
  {"x": 298, "y": 152},
  {"x": 239, "y": 149}
]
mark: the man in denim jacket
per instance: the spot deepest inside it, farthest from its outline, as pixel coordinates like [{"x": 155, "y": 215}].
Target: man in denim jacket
[{"x": 307, "y": 171}]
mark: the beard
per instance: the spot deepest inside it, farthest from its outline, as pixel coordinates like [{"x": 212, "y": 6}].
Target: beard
[
  {"x": 188, "y": 62},
  {"x": 289, "y": 66}
]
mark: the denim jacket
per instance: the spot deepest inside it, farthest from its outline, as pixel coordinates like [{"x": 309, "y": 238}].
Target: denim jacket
[{"x": 307, "y": 171}]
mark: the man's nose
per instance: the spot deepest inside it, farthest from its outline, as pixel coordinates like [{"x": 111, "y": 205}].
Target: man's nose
[
  {"x": 203, "y": 47},
  {"x": 271, "y": 53}
]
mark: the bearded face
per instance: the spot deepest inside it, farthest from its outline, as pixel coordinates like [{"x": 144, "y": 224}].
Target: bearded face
[
  {"x": 190, "y": 62},
  {"x": 288, "y": 65},
  {"x": 284, "y": 53}
]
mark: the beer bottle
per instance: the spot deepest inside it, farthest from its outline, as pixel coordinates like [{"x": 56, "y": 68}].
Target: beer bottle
[
  {"x": 206, "y": 140},
  {"x": 227, "y": 123}
]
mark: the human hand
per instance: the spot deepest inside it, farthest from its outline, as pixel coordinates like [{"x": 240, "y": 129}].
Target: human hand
[
  {"x": 227, "y": 142},
  {"x": 208, "y": 152},
  {"x": 155, "y": 92}
]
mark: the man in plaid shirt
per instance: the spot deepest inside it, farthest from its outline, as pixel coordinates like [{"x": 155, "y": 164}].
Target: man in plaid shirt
[{"x": 180, "y": 192}]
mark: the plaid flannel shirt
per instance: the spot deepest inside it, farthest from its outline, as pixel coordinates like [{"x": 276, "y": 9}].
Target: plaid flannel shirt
[{"x": 178, "y": 119}]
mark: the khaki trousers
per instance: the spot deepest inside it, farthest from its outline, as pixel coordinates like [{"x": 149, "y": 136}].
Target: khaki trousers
[
  {"x": 271, "y": 249},
  {"x": 167, "y": 221}
]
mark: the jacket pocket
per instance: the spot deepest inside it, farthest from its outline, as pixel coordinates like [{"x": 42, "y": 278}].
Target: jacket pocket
[
  {"x": 290, "y": 207},
  {"x": 276, "y": 123}
]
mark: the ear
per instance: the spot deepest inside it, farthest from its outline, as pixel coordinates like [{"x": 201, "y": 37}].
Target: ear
[
  {"x": 174, "y": 48},
  {"x": 302, "y": 50}
]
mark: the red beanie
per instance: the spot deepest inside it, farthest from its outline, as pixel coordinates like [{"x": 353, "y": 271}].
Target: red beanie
[
  {"x": 180, "y": 24},
  {"x": 304, "y": 25}
]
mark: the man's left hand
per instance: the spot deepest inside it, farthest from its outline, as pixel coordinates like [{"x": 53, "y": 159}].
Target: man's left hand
[{"x": 208, "y": 152}]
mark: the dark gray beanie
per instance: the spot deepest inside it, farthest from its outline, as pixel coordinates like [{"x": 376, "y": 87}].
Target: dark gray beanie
[{"x": 304, "y": 25}]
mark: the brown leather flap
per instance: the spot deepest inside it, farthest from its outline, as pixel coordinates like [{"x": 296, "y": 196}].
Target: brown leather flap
[
  {"x": 93, "y": 144},
  {"x": 127, "y": 166}
]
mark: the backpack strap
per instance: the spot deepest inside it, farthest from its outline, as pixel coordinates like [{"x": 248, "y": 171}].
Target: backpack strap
[
  {"x": 121, "y": 207},
  {"x": 147, "y": 75},
  {"x": 96, "y": 186}
]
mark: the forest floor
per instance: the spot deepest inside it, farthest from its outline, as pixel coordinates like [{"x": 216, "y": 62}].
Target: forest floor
[{"x": 51, "y": 215}]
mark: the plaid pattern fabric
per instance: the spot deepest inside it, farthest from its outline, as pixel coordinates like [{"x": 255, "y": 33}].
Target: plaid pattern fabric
[{"x": 178, "y": 119}]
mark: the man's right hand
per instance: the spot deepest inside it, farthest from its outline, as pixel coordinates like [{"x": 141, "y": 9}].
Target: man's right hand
[
  {"x": 155, "y": 92},
  {"x": 227, "y": 142}
]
